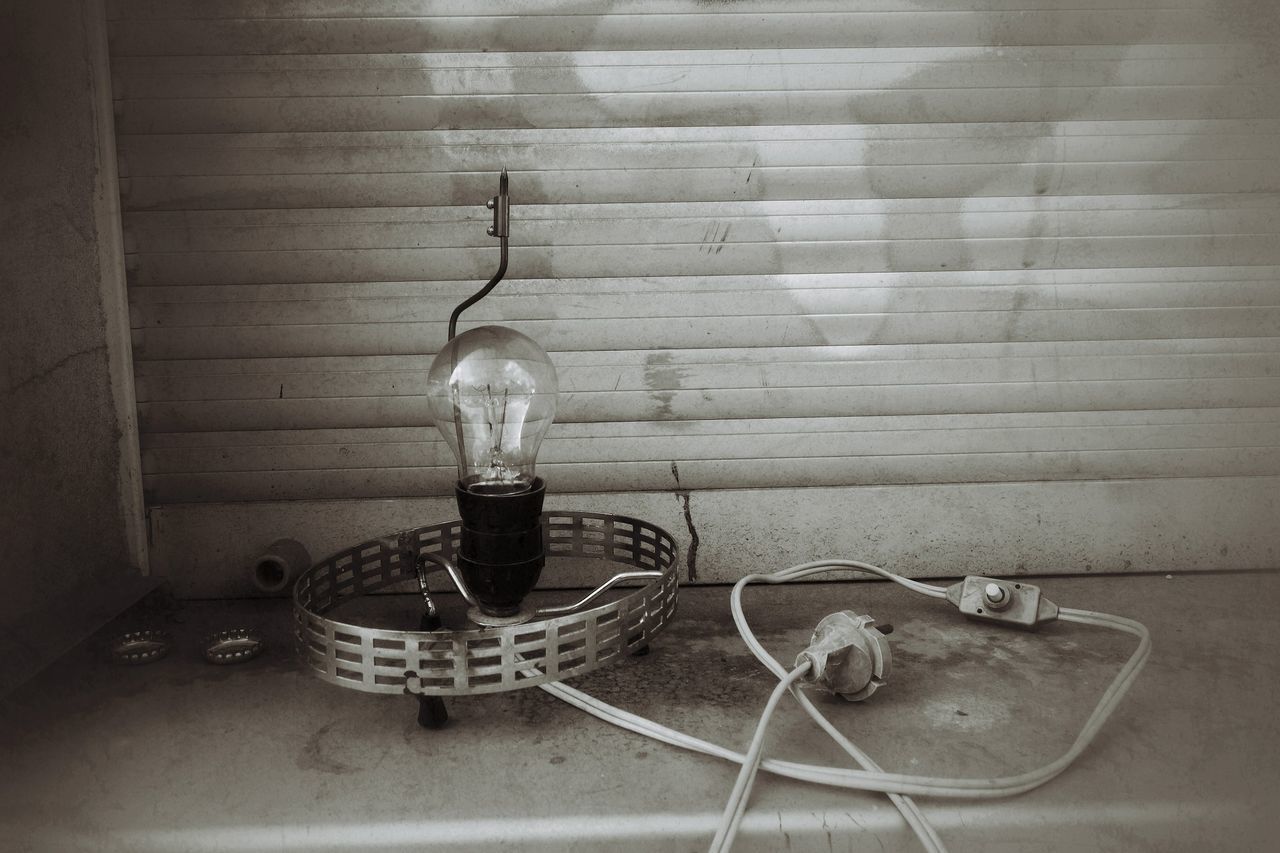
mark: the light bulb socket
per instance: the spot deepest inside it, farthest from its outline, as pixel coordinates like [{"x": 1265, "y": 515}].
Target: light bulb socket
[
  {"x": 498, "y": 548},
  {"x": 501, "y": 553}
]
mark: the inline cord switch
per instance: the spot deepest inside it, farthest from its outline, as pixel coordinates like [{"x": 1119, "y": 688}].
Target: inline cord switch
[{"x": 997, "y": 600}]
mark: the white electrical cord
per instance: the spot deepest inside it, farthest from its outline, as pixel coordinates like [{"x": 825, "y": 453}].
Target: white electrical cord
[
  {"x": 737, "y": 805},
  {"x": 871, "y": 778},
  {"x": 911, "y": 812}
]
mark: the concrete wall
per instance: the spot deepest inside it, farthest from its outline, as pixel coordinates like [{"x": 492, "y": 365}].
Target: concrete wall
[{"x": 71, "y": 522}]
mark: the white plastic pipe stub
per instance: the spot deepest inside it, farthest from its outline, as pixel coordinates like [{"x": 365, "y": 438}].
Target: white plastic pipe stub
[{"x": 276, "y": 567}]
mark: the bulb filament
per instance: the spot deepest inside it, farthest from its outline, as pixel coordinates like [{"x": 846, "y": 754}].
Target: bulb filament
[{"x": 495, "y": 419}]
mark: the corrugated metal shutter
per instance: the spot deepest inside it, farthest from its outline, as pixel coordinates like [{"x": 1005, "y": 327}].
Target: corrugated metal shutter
[{"x": 768, "y": 244}]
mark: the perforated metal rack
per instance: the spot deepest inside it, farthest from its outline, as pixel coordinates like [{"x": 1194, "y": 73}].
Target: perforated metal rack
[{"x": 482, "y": 660}]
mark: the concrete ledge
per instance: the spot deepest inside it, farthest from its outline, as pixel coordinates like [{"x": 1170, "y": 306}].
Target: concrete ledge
[
  {"x": 183, "y": 756},
  {"x": 1087, "y": 526}
]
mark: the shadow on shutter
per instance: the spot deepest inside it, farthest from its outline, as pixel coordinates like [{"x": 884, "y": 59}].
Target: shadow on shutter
[{"x": 770, "y": 245}]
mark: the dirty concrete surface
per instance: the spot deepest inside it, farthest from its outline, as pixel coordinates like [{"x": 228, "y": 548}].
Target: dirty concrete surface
[{"x": 180, "y": 755}]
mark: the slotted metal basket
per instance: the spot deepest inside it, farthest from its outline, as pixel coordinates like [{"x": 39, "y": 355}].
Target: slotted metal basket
[{"x": 489, "y": 659}]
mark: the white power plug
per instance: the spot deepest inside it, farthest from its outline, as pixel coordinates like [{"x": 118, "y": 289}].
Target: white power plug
[{"x": 848, "y": 655}]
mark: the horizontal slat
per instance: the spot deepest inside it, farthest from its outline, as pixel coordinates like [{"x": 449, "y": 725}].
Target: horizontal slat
[
  {"x": 715, "y": 256},
  {"x": 1042, "y": 64},
  {"x": 728, "y": 229},
  {"x": 192, "y": 155},
  {"x": 215, "y": 9},
  {"x": 995, "y": 132},
  {"x": 744, "y": 438},
  {"x": 283, "y": 228},
  {"x": 703, "y": 184},
  {"x": 667, "y": 74},
  {"x": 659, "y": 359},
  {"x": 429, "y": 451},
  {"x": 657, "y": 377},
  {"x": 682, "y": 333},
  {"x": 726, "y": 430},
  {"x": 718, "y": 474},
  {"x": 658, "y": 32},
  {"x": 1021, "y": 104},
  {"x": 783, "y": 228},
  {"x": 845, "y": 400},
  {"x": 746, "y": 302},
  {"x": 174, "y": 221},
  {"x": 435, "y": 454},
  {"x": 606, "y": 288}
]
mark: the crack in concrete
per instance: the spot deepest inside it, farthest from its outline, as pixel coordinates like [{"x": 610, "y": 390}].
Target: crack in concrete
[
  {"x": 57, "y": 365},
  {"x": 691, "y": 558}
]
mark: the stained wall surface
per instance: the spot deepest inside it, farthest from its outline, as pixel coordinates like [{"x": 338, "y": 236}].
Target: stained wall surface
[{"x": 70, "y": 514}]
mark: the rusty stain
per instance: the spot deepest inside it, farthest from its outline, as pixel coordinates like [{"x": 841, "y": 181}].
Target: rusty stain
[{"x": 663, "y": 379}]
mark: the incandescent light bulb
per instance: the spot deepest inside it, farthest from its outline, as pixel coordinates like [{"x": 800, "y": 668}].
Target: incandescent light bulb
[{"x": 492, "y": 393}]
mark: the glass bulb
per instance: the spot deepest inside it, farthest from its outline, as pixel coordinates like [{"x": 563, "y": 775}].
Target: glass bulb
[{"x": 492, "y": 393}]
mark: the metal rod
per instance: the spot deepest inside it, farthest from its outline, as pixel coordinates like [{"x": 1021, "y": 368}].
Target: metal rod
[
  {"x": 426, "y": 594},
  {"x": 600, "y": 590},
  {"x": 432, "y": 713},
  {"x": 501, "y": 228},
  {"x": 453, "y": 576}
]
